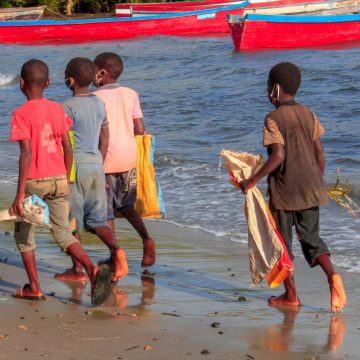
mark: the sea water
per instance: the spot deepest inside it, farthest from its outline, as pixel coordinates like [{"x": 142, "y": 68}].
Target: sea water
[{"x": 198, "y": 97}]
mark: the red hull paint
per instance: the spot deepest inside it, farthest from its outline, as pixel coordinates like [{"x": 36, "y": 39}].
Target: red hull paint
[
  {"x": 113, "y": 29},
  {"x": 264, "y": 34}
]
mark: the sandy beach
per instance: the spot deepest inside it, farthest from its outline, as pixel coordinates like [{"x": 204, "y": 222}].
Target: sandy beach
[{"x": 197, "y": 302}]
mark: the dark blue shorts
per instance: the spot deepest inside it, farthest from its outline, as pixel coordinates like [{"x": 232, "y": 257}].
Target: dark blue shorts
[{"x": 120, "y": 192}]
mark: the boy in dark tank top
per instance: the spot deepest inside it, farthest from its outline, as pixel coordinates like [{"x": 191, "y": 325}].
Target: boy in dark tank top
[{"x": 294, "y": 171}]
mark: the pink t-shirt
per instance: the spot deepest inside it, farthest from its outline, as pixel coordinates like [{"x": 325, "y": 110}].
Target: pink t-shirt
[
  {"x": 43, "y": 122},
  {"x": 122, "y": 107}
]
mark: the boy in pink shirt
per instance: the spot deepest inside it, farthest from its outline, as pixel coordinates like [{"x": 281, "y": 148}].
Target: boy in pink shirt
[
  {"x": 125, "y": 121},
  {"x": 41, "y": 127}
]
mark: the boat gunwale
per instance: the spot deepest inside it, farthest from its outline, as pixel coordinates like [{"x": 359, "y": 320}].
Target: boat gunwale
[
  {"x": 304, "y": 19},
  {"x": 124, "y": 19}
]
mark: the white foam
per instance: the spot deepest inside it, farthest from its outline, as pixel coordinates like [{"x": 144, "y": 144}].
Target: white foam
[{"x": 7, "y": 79}]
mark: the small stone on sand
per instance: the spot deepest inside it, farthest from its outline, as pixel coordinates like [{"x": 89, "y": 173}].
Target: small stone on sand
[{"x": 205, "y": 352}]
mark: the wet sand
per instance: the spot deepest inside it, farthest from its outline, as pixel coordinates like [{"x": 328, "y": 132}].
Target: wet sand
[{"x": 197, "y": 301}]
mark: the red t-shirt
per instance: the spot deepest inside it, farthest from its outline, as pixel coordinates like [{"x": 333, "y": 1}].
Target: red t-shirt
[{"x": 43, "y": 122}]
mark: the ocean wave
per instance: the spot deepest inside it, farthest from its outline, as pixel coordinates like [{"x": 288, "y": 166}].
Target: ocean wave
[
  {"x": 222, "y": 234},
  {"x": 8, "y": 79}
]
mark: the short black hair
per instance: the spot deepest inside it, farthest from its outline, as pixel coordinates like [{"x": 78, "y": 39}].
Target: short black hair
[
  {"x": 287, "y": 75},
  {"x": 110, "y": 62},
  {"x": 35, "y": 73},
  {"x": 81, "y": 69}
]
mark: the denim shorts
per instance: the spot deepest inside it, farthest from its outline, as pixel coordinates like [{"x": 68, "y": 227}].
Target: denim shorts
[
  {"x": 88, "y": 197},
  {"x": 120, "y": 191}
]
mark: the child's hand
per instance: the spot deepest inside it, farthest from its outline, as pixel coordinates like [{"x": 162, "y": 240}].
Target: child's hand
[
  {"x": 16, "y": 207},
  {"x": 247, "y": 184}
]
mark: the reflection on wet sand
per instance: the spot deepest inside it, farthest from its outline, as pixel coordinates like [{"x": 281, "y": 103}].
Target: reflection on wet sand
[
  {"x": 280, "y": 337},
  {"x": 119, "y": 298}
]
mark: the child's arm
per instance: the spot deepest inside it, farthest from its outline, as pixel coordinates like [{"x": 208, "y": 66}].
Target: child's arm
[
  {"x": 68, "y": 153},
  {"x": 104, "y": 141},
  {"x": 320, "y": 154},
  {"x": 139, "y": 127},
  {"x": 276, "y": 157},
  {"x": 24, "y": 167}
]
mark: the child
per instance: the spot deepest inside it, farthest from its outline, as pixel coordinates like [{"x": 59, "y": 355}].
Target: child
[
  {"x": 295, "y": 169},
  {"x": 91, "y": 138},
  {"x": 41, "y": 127},
  {"x": 125, "y": 121}
]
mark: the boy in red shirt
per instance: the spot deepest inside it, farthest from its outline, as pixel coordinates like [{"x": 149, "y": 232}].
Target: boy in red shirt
[{"x": 41, "y": 127}]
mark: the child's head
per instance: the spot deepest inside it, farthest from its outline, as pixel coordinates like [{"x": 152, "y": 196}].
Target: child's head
[
  {"x": 34, "y": 76},
  {"x": 285, "y": 75},
  {"x": 108, "y": 67},
  {"x": 79, "y": 71}
]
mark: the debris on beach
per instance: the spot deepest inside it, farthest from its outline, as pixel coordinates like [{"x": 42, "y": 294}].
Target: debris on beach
[
  {"x": 215, "y": 324},
  {"x": 340, "y": 194},
  {"x": 171, "y": 314},
  {"x": 22, "y": 327},
  {"x": 205, "y": 352}
]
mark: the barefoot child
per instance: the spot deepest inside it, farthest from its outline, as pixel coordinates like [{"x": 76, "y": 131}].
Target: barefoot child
[
  {"x": 295, "y": 169},
  {"x": 41, "y": 127},
  {"x": 91, "y": 137},
  {"x": 125, "y": 121}
]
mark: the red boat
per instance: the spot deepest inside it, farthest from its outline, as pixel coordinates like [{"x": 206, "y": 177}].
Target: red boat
[
  {"x": 126, "y": 9},
  {"x": 89, "y": 30},
  {"x": 251, "y": 32},
  {"x": 140, "y": 9}
]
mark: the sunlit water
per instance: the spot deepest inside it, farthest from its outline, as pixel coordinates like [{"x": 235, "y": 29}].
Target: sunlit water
[{"x": 199, "y": 97}]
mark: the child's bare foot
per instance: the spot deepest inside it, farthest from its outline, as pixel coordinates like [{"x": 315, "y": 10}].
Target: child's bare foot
[
  {"x": 338, "y": 296},
  {"x": 120, "y": 265},
  {"x": 283, "y": 300},
  {"x": 71, "y": 275},
  {"x": 149, "y": 256}
]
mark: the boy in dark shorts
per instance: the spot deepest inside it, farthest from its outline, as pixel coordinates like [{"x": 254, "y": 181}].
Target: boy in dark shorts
[
  {"x": 295, "y": 169},
  {"x": 88, "y": 205},
  {"x": 125, "y": 121},
  {"x": 41, "y": 127}
]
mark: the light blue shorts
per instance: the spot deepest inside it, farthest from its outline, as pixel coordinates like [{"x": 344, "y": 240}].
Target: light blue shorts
[{"x": 88, "y": 197}]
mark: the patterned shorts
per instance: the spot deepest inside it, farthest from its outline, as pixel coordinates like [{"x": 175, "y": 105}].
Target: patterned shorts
[{"x": 120, "y": 191}]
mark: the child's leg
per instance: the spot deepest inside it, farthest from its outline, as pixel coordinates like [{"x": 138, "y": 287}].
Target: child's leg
[
  {"x": 77, "y": 251},
  {"x": 121, "y": 195},
  {"x": 317, "y": 253},
  {"x": 58, "y": 203},
  {"x": 284, "y": 221},
  {"x": 29, "y": 261},
  {"x": 289, "y": 297},
  {"x": 149, "y": 251},
  {"x": 117, "y": 255},
  {"x": 25, "y": 242}
]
